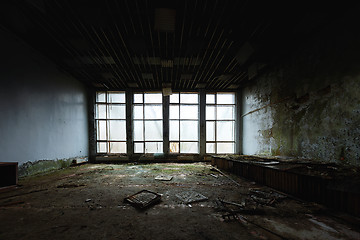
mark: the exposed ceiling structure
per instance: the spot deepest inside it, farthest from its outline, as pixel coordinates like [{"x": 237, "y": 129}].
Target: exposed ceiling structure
[{"x": 149, "y": 44}]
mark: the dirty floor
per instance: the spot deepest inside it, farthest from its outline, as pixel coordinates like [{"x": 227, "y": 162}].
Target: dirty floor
[{"x": 87, "y": 202}]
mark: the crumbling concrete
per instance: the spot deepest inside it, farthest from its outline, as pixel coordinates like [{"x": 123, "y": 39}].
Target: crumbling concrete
[{"x": 307, "y": 104}]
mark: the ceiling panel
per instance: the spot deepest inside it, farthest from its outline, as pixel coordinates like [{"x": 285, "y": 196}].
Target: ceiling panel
[{"x": 145, "y": 44}]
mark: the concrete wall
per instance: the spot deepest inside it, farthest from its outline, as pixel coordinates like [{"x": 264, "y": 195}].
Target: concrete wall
[
  {"x": 43, "y": 111},
  {"x": 307, "y": 105}
]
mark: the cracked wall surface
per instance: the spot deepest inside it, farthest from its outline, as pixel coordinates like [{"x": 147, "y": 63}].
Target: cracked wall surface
[{"x": 308, "y": 104}]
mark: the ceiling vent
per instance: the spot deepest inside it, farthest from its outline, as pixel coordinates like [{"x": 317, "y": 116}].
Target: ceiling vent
[
  {"x": 147, "y": 76},
  {"x": 167, "y": 63},
  {"x": 107, "y": 75},
  {"x": 186, "y": 76},
  {"x": 225, "y": 77},
  {"x": 233, "y": 86},
  {"x": 165, "y": 20},
  {"x": 185, "y": 61},
  {"x": 200, "y": 85},
  {"x": 244, "y": 53},
  {"x": 132, "y": 85},
  {"x": 108, "y": 60}
]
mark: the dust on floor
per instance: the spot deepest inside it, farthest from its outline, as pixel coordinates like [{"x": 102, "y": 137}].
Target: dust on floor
[{"x": 87, "y": 202}]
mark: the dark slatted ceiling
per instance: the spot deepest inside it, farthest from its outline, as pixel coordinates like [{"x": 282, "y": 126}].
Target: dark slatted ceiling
[{"x": 148, "y": 44}]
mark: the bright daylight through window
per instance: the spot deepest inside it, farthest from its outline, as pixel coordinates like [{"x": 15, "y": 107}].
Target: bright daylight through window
[
  {"x": 148, "y": 123},
  {"x": 110, "y": 119},
  {"x": 184, "y": 123},
  {"x": 220, "y": 123}
]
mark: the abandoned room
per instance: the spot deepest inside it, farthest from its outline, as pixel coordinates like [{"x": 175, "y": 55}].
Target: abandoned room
[{"x": 154, "y": 119}]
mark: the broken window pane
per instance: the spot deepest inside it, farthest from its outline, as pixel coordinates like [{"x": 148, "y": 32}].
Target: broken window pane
[
  {"x": 189, "y": 98},
  {"x": 189, "y": 111},
  {"x": 138, "y": 147},
  {"x": 116, "y": 111},
  {"x": 101, "y": 147},
  {"x": 210, "y": 131},
  {"x": 153, "y": 111},
  {"x": 225, "y": 131},
  {"x": 153, "y": 97},
  {"x": 138, "y": 112},
  {"x": 225, "y": 113},
  {"x": 117, "y": 130},
  {"x": 210, "y": 147},
  {"x": 101, "y": 111},
  {"x": 210, "y": 98},
  {"x": 138, "y": 98},
  {"x": 101, "y": 130},
  {"x": 153, "y": 131},
  {"x": 101, "y": 97},
  {"x": 118, "y": 97},
  {"x": 117, "y": 147},
  {"x": 174, "y": 147},
  {"x": 225, "y": 148},
  {"x": 153, "y": 147},
  {"x": 174, "y": 130},
  {"x": 210, "y": 112},
  {"x": 174, "y": 111},
  {"x": 189, "y": 131},
  {"x": 189, "y": 147},
  {"x": 138, "y": 131},
  {"x": 174, "y": 98},
  {"x": 225, "y": 98}
]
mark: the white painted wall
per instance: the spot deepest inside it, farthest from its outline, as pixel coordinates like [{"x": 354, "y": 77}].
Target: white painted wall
[
  {"x": 257, "y": 120},
  {"x": 43, "y": 111}
]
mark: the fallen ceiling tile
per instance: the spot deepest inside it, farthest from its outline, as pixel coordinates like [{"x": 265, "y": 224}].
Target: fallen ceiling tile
[{"x": 190, "y": 197}]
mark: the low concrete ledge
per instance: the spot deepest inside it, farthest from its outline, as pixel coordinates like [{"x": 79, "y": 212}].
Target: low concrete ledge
[{"x": 334, "y": 186}]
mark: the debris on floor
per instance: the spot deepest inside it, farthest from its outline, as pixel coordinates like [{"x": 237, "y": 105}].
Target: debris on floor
[
  {"x": 42, "y": 209},
  {"x": 143, "y": 199},
  {"x": 232, "y": 203},
  {"x": 266, "y": 198},
  {"x": 71, "y": 185},
  {"x": 191, "y": 197},
  {"x": 163, "y": 178},
  {"x": 231, "y": 208}
]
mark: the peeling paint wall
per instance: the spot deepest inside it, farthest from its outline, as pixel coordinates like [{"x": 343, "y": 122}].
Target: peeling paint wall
[
  {"x": 43, "y": 111},
  {"x": 308, "y": 104}
]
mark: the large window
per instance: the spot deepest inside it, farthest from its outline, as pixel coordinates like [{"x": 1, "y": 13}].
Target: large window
[
  {"x": 184, "y": 123},
  {"x": 148, "y": 123},
  {"x": 220, "y": 123},
  {"x": 110, "y": 119}
]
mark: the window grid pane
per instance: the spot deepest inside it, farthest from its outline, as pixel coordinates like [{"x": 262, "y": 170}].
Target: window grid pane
[
  {"x": 184, "y": 123},
  {"x": 148, "y": 123},
  {"x": 220, "y": 123},
  {"x": 110, "y": 118}
]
